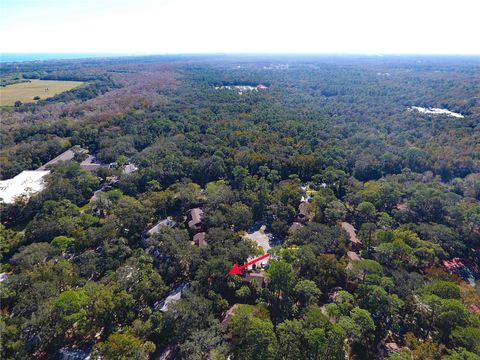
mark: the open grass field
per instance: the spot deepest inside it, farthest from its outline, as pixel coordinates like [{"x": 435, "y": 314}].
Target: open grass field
[{"x": 25, "y": 92}]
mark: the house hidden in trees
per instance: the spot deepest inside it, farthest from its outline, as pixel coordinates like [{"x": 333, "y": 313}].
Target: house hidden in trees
[
  {"x": 467, "y": 269},
  {"x": 149, "y": 243},
  {"x": 304, "y": 212},
  {"x": 392, "y": 347},
  {"x": 352, "y": 281},
  {"x": 352, "y": 257},
  {"x": 90, "y": 163},
  {"x": 257, "y": 278},
  {"x": 169, "y": 222},
  {"x": 294, "y": 227},
  {"x": 195, "y": 222},
  {"x": 65, "y": 156},
  {"x": 174, "y": 295},
  {"x": 170, "y": 352},
  {"x": 227, "y": 316},
  {"x": 304, "y": 215},
  {"x": 388, "y": 345},
  {"x": 354, "y": 244},
  {"x": 73, "y": 353},
  {"x": 199, "y": 239},
  {"x": 474, "y": 308},
  {"x": 129, "y": 168},
  {"x": 195, "y": 226}
]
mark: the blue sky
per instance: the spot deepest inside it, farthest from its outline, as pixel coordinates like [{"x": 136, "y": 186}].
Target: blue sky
[{"x": 235, "y": 26}]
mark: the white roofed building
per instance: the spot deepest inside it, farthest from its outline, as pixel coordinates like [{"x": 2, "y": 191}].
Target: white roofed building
[
  {"x": 174, "y": 295},
  {"x": 26, "y": 183}
]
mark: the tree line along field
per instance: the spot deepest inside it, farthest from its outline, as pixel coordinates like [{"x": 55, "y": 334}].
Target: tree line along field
[
  {"x": 88, "y": 263},
  {"x": 27, "y": 91}
]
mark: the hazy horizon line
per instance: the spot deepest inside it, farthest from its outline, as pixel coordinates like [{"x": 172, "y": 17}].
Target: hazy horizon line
[{"x": 92, "y": 55}]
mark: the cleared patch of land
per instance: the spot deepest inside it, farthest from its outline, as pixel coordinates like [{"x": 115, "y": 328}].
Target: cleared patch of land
[{"x": 26, "y": 91}]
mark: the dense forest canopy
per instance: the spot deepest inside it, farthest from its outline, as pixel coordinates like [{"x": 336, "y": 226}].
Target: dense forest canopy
[{"x": 303, "y": 150}]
